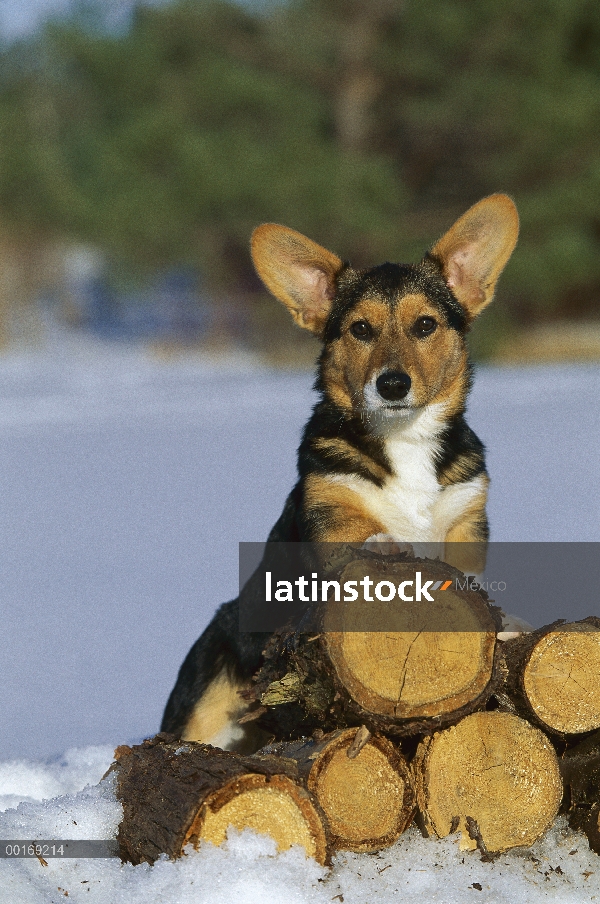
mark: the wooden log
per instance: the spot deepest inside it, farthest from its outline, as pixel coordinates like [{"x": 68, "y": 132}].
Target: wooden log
[
  {"x": 588, "y": 822},
  {"x": 551, "y": 675},
  {"x": 176, "y": 793},
  {"x": 580, "y": 768},
  {"x": 493, "y": 776},
  {"x": 400, "y": 666},
  {"x": 362, "y": 784}
]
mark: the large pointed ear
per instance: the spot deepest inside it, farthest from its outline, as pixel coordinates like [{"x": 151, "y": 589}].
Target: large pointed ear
[
  {"x": 298, "y": 272},
  {"x": 474, "y": 251}
]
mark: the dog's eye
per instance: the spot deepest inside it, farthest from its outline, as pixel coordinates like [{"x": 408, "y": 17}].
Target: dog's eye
[
  {"x": 361, "y": 329},
  {"x": 424, "y": 326}
]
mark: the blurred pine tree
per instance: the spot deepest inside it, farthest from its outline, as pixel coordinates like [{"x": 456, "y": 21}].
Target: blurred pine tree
[{"x": 369, "y": 126}]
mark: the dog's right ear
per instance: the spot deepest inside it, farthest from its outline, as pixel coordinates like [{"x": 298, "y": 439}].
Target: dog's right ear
[{"x": 298, "y": 272}]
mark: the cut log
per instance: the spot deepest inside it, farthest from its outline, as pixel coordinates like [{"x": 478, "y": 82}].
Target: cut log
[
  {"x": 552, "y": 676},
  {"x": 588, "y": 821},
  {"x": 493, "y": 776},
  {"x": 580, "y": 768},
  {"x": 362, "y": 784},
  {"x": 177, "y": 793},
  {"x": 399, "y": 666},
  {"x": 417, "y": 659}
]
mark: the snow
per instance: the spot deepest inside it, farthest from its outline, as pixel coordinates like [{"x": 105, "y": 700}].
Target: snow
[
  {"x": 22, "y": 780},
  {"x": 126, "y": 485},
  {"x": 247, "y": 868}
]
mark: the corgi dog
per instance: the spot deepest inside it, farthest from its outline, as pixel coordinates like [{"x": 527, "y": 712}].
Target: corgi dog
[{"x": 387, "y": 453}]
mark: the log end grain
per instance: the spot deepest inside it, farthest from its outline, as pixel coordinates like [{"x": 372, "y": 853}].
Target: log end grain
[
  {"x": 560, "y": 678},
  {"x": 368, "y": 799},
  {"x": 493, "y": 771},
  {"x": 411, "y": 660},
  {"x": 177, "y": 793},
  {"x": 270, "y": 805}
]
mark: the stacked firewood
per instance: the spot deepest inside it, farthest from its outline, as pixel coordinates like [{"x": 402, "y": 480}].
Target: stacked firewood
[{"x": 390, "y": 712}]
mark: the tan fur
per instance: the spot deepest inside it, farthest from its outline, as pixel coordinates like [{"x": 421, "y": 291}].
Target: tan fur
[
  {"x": 411, "y": 505},
  {"x": 349, "y": 521},
  {"x": 437, "y": 364},
  {"x": 297, "y": 271},
  {"x": 302, "y": 274},
  {"x": 357, "y": 509},
  {"x": 413, "y": 498},
  {"x": 340, "y": 446},
  {"x": 457, "y": 471},
  {"x": 476, "y": 249},
  {"x": 470, "y": 556},
  {"x": 214, "y": 718}
]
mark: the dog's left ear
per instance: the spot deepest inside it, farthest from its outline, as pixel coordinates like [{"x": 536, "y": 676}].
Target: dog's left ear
[
  {"x": 298, "y": 272},
  {"x": 475, "y": 250}
]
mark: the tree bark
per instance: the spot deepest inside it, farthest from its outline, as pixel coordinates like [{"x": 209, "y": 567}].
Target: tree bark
[
  {"x": 588, "y": 821},
  {"x": 580, "y": 768}
]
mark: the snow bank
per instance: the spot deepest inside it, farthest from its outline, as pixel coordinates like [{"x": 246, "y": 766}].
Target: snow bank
[
  {"x": 29, "y": 781},
  {"x": 247, "y": 869}
]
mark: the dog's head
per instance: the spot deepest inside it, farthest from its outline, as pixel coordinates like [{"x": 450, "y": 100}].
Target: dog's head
[{"x": 394, "y": 335}]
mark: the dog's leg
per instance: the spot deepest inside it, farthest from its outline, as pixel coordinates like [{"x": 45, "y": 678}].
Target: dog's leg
[
  {"x": 466, "y": 550},
  {"x": 335, "y": 513},
  {"x": 466, "y": 541},
  {"x": 214, "y": 718},
  {"x": 206, "y": 702}
]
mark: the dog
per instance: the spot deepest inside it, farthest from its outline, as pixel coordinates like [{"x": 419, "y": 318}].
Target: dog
[{"x": 387, "y": 453}]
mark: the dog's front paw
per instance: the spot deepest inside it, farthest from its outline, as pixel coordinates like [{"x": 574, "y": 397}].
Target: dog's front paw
[
  {"x": 386, "y": 545},
  {"x": 513, "y": 626}
]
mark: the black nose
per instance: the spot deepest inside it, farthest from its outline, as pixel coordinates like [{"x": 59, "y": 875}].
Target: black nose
[{"x": 393, "y": 385}]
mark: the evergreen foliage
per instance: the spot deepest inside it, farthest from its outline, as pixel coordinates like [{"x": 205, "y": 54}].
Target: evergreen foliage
[{"x": 368, "y": 126}]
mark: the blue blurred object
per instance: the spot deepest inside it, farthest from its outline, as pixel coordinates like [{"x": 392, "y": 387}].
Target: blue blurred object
[{"x": 171, "y": 308}]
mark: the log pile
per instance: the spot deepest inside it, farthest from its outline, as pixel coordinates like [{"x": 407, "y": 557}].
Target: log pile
[{"x": 390, "y": 712}]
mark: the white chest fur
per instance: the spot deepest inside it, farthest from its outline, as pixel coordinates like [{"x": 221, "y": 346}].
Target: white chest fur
[{"x": 412, "y": 506}]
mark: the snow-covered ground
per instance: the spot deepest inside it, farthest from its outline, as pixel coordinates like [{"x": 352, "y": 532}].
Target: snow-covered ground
[
  {"x": 247, "y": 870},
  {"x": 125, "y": 487}
]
